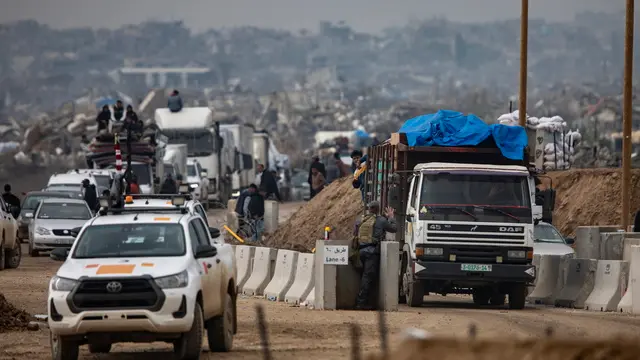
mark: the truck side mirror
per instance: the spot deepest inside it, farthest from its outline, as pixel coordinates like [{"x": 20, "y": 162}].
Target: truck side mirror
[
  {"x": 570, "y": 241},
  {"x": 539, "y": 201}
]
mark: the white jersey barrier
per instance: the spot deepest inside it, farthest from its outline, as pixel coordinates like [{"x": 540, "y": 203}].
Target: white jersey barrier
[
  {"x": 630, "y": 302},
  {"x": 303, "y": 282},
  {"x": 610, "y": 285},
  {"x": 244, "y": 264},
  {"x": 262, "y": 272},
  {"x": 579, "y": 284},
  {"x": 546, "y": 284},
  {"x": 283, "y": 276}
]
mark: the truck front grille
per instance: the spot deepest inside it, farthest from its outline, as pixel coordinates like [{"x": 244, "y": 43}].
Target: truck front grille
[{"x": 114, "y": 293}]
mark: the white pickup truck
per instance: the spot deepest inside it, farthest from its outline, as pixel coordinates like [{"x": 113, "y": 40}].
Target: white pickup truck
[
  {"x": 143, "y": 275},
  {"x": 10, "y": 251}
]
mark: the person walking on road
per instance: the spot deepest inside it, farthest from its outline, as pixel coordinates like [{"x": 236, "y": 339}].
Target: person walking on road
[
  {"x": 370, "y": 232},
  {"x": 317, "y": 182},
  {"x": 90, "y": 194},
  {"x": 315, "y": 163}
]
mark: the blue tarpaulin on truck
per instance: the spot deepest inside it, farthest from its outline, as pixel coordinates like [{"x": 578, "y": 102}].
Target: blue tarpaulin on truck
[{"x": 453, "y": 128}]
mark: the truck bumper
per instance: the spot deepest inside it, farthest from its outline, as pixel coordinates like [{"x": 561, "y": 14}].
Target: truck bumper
[{"x": 451, "y": 271}]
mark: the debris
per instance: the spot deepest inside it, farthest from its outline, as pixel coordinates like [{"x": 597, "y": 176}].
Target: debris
[{"x": 12, "y": 318}]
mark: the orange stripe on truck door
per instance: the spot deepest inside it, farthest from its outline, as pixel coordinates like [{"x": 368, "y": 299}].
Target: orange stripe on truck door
[{"x": 115, "y": 269}]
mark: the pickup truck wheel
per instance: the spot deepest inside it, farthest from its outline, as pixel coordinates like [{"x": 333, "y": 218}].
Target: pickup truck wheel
[
  {"x": 13, "y": 256},
  {"x": 220, "y": 329},
  {"x": 517, "y": 297},
  {"x": 481, "y": 296},
  {"x": 189, "y": 346},
  {"x": 99, "y": 348},
  {"x": 63, "y": 349},
  {"x": 3, "y": 255}
]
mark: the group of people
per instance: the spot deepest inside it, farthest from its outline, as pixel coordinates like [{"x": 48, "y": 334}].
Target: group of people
[
  {"x": 320, "y": 176},
  {"x": 107, "y": 117}
]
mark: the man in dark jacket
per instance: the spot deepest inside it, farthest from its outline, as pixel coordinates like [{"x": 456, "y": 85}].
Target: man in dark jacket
[
  {"x": 268, "y": 183},
  {"x": 133, "y": 123},
  {"x": 103, "y": 118},
  {"x": 174, "y": 103},
  {"x": 169, "y": 186},
  {"x": 318, "y": 165},
  {"x": 12, "y": 200},
  {"x": 90, "y": 194},
  {"x": 370, "y": 231},
  {"x": 240, "y": 208},
  {"x": 118, "y": 112}
]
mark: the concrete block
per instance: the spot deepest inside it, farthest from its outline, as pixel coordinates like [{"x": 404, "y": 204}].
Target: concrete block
[
  {"x": 271, "y": 215},
  {"x": 310, "y": 300},
  {"x": 546, "y": 287},
  {"x": 588, "y": 241},
  {"x": 244, "y": 264},
  {"x": 389, "y": 270},
  {"x": 626, "y": 303},
  {"x": 610, "y": 285},
  {"x": 283, "y": 276},
  {"x": 579, "y": 284},
  {"x": 562, "y": 272},
  {"x": 336, "y": 286},
  {"x": 630, "y": 239},
  {"x": 304, "y": 280},
  {"x": 261, "y": 273},
  {"x": 634, "y": 283},
  {"x": 611, "y": 245}
]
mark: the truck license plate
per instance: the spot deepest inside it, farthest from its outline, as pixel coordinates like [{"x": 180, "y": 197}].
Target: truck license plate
[{"x": 475, "y": 267}]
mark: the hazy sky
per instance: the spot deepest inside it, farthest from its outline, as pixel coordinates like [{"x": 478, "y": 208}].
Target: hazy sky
[{"x": 366, "y": 15}]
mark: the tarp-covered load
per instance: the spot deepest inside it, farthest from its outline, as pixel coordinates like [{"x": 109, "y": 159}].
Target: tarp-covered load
[
  {"x": 101, "y": 150},
  {"x": 453, "y": 128}
]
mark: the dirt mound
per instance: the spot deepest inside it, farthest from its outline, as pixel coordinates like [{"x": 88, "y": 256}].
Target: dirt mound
[
  {"x": 548, "y": 349},
  {"x": 12, "y": 318},
  {"x": 591, "y": 197},
  {"x": 336, "y": 206}
]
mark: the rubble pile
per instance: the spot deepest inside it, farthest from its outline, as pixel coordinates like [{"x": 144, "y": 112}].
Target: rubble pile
[
  {"x": 12, "y": 318},
  {"x": 337, "y": 206}
]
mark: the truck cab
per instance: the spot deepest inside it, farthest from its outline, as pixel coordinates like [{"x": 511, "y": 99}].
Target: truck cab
[{"x": 469, "y": 229}]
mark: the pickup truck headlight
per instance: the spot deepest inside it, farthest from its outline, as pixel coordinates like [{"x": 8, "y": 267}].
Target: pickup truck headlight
[
  {"x": 42, "y": 231},
  {"x": 516, "y": 254},
  {"x": 62, "y": 284},
  {"x": 175, "y": 281},
  {"x": 193, "y": 186}
]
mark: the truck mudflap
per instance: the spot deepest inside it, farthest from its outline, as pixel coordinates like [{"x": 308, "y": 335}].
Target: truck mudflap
[{"x": 452, "y": 271}]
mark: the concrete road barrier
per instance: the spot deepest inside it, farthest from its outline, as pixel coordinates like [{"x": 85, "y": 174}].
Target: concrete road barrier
[
  {"x": 610, "y": 285},
  {"x": 579, "y": 284},
  {"x": 611, "y": 245},
  {"x": 303, "y": 282},
  {"x": 283, "y": 275},
  {"x": 588, "y": 241},
  {"x": 626, "y": 303},
  {"x": 389, "y": 270},
  {"x": 548, "y": 272},
  {"x": 310, "y": 300},
  {"x": 261, "y": 273},
  {"x": 562, "y": 273},
  {"x": 244, "y": 262},
  {"x": 271, "y": 215}
]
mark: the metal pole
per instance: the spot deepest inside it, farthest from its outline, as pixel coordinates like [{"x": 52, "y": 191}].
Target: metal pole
[
  {"x": 524, "y": 38},
  {"x": 627, "y": 117}
]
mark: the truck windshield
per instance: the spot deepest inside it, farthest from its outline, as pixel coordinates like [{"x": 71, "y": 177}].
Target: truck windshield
[
  {"x": 191, "y": 170},
  {"x": 199, "y": 142},
  {"x": 141, "y": 171},
  {"x": 475, "y": 197},
  {"x": 130, "y": 240}
]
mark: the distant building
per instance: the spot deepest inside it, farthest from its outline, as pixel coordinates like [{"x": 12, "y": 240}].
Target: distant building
[{"x": 166, "y": 77}]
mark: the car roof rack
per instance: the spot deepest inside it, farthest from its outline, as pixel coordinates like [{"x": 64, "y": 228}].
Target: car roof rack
[
  {"x": 160, "y": 196},
  {"x": 121, "y": 211}
]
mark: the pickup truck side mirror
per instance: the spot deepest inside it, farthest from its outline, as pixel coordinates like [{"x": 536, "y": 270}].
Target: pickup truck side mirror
[
  {"x": 205, "y": 251},
  {"x": 75, "y": 231},
  {"x": 59, "y": 254},
  {"x": 539, "y": 201},
  {"x": 570, "y": 241},
  {"x": 215, "y": 232}
]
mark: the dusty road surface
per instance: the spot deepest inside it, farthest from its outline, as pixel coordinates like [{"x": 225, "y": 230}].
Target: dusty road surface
[{"x": 299, "y": 333}]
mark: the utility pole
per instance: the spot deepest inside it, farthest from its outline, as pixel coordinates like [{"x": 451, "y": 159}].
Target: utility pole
[
  {"x": 524, "y": 38},
  {"x": 627, "y": 115}
]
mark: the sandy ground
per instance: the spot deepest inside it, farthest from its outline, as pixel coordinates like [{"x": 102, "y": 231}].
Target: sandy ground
[{"x": 296, "y": 333}]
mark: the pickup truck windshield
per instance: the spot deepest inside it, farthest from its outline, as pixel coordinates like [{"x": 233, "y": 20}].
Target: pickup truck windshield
[
  {"x": 130, "y": 240},
  {"x": 199, "y": 142},
  {"x": 475, "y": 197}
]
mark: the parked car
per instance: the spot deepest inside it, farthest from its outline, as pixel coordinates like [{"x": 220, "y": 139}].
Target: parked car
[
  {"x": 29, "y": 204},
  {"x": 10, "y": 251},
  {"x": 55, "y": 223},
  {"x": 300, "y": 189},
  {"x": 549, "y": 241}
]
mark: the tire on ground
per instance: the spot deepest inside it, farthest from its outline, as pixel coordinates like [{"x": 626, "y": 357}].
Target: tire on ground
[
  {"x": 189, "y": 346},
  {"x": 517, "y": 296},
  {"x": 220, "y": 329},
  {"x": 13, "y": 256},
  {"x": 63, "y": 349}
]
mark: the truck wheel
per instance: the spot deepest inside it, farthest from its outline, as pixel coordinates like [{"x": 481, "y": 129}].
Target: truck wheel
[
  {"x": 497, "y": 299},
  {"x": 63, "y": 349},
  {"x": 189, "y": 346},
  {"x": 99, "y": 348},
  {"x": 401, "y": 293},
  {"x": 220, "y": 329},
  {"x": 517, "y": 297},
  {"x": 481, "y": 296},
  {"x": 3, "y": 255},
  {"x": 13, "y": 256}
]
